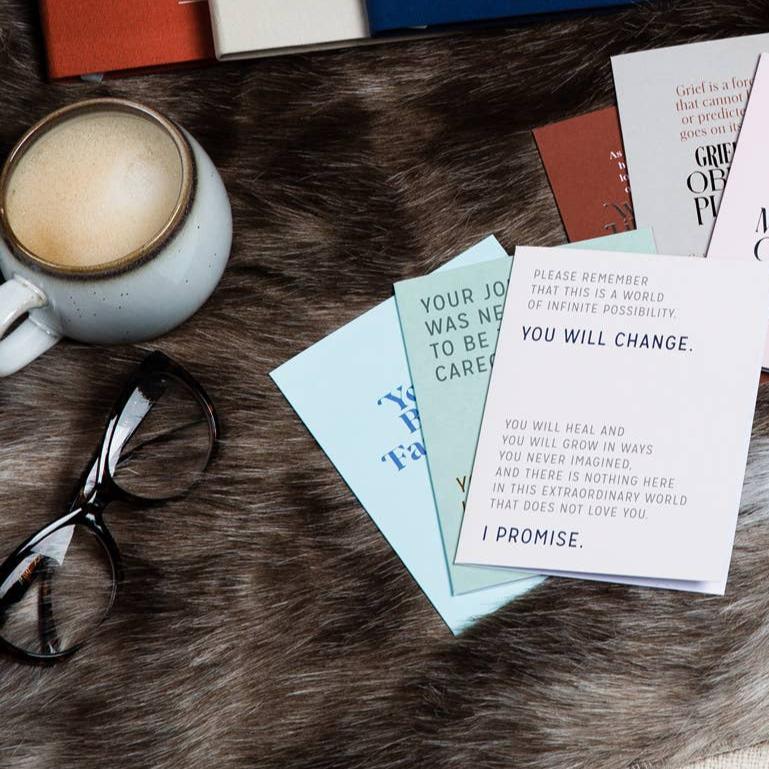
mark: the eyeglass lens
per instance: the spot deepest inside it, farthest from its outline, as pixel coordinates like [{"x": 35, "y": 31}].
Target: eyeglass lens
[
  {"x": 162, "y": 442},
  {"x": 58, "y": 593}
]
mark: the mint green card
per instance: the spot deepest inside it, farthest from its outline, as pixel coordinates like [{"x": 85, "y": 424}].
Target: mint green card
[{"x": 450, "y": 321}]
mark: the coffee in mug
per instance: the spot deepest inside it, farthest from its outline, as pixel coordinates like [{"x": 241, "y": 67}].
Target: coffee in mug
[
  {"x": 94, "y": 188},
  {"x": 116, "y": 228}
]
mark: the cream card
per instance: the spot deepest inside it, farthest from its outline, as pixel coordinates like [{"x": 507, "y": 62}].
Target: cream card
[
  {"x": 618, "y": 418},
  {"x": 742, "y": 227}
]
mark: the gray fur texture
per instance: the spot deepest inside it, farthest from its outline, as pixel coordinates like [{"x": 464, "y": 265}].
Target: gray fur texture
[{"x": 264, "y": 622}]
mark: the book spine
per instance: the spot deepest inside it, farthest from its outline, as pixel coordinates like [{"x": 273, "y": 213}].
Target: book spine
[
  {"x": 216, "y": 28},
  {"x": 388, "y": 15}
]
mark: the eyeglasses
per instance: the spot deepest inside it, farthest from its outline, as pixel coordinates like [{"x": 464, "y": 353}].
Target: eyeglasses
[{"x": 59, "y": 585}]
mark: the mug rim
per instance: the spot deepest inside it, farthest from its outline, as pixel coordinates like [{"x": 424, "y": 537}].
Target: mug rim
[{"x": 147, "y": 250}]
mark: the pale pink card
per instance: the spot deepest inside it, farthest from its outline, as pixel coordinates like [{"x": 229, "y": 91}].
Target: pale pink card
[{"x": 742, "y": 226}]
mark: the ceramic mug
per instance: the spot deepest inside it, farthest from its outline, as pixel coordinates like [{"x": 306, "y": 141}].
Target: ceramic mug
[{"x": 140, "y": 295}]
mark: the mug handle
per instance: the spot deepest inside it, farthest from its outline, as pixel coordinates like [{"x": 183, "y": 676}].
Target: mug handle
[{"x": 30, "y": 339}]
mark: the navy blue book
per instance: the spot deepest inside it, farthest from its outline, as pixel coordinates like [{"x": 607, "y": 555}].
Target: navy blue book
[{"x": 390, "y": 15}]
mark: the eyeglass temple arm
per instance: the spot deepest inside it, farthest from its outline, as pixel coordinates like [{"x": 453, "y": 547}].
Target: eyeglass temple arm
[
  {"x": 49, "y": 637},
  {"x": 124, "y": 424},
  {"x": 131, "y": 415},
  {"x": 44, "y": 568}
]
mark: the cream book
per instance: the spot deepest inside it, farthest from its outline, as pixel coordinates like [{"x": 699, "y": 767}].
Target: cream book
[{"x": 246, "y": 29}]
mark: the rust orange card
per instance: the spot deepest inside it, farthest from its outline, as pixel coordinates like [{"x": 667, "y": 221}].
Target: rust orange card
[{"x": 585, "y": 163}]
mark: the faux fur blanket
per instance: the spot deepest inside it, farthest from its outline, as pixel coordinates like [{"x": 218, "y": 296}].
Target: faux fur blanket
[{"x": 264, "y": 622}]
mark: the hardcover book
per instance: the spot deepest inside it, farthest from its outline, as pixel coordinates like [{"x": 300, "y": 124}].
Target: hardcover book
[
  {"x": 388, "y": 15},
  {"x": 94, "y": 36},
  {"x": 742, "y": 227},
  {"x": 681, "y": 109},
  {"x": 585, "y": 164}
]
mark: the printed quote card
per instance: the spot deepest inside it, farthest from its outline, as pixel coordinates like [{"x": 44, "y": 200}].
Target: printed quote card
[
  {"x": 742, "y": 227},
  {"x": 681, "y": 109},
  {"x": 450, "y": 332},
  {"x": 618, "y": 418},
  {"x": 450, "y": 321},
  {"x": 586, "y": 167}
]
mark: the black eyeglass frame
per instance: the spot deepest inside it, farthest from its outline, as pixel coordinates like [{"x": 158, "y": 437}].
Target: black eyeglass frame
[{"x": 97, "y": 488}]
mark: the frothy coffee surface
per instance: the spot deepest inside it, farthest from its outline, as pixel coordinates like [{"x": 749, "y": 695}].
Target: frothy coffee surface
[{"x": 94, "y": 188}]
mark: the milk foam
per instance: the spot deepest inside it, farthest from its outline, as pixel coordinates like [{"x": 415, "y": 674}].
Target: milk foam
[{"x": 94, "y": 188}]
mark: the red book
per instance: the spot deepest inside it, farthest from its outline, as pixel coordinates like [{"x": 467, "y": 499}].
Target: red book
[{"x": 88, "y": 36}]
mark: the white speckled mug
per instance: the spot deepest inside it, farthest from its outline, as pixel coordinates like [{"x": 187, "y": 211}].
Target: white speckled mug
[{"x": 154, "y": 286}]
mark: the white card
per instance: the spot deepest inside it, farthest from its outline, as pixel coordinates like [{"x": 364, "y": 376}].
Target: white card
[
  {"x": 618, "y": 418},
  {"x": 742, "y": 227}
]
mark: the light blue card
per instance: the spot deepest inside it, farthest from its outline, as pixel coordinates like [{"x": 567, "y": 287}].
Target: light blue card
[
  {"x": 377, "y": 446},
  {"x": 450, "y": 321}
]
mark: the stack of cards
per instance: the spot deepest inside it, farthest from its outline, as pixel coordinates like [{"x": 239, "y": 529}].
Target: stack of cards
[{"x": 584, "y": 411}]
